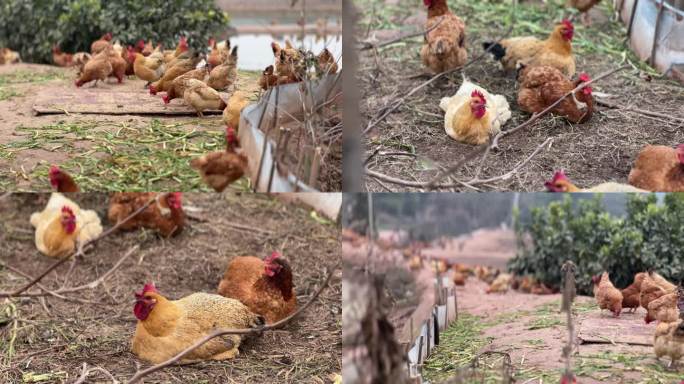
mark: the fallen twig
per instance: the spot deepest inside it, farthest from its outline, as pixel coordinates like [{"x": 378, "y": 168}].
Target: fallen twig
[
  {"x": 638, "y": 110},
  {"x": 220, "y": 332},
  {"x": 87, "y": 371},
  {"x": 367, "y": 46}
]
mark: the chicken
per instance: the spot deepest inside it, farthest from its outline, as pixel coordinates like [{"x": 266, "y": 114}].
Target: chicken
[
  {"x": 100, "y": 45},
  {"x": 561, "y": 183},
  {"x": 486, "y": 274},
  {"x": 264, "y": 286},
  {"x": 220, "y": 169},
  {"x": 8, "y": 56},
  {"x": 173, "y": 71},
  {"x": 286, "y": 63},
  {"x": 555, "y": 51},
  {"x": 118, "y": 64},
  {"x": 201, "y": 97},
  {"x": 542, "y": 86},
  {"x": 659, "y": 169},
  {"x": 500, "y": 284},
  {"x": 146, "y": 48},
  {"x": 129, "y": 56},
  {"x": 98, "y": 68},
  {"x": 62, "y": 224},
  {"x": 181, "y": 49},
  {"x": 473, "y": 114},
  {"x": 167, "y": 327},
  {"x": 607, "y": 296},
  {"x": 444, "y": 47},
  {"x": 166, "y": 215},
  {"x": 459, "y": 278},
  {"x": 147, "y": 68},
  {"x": 415, "y": 263},
  {"x": 663, "y": 309},
  {"x": 668, "y": 340},
  {"x": 236, "y": 103},
  {"x": 268, "y": 79},
  {"x": 583, "y": 6},
  {"x": 60, "y": 58},
  {"x": 325, "y": 63},
  {"x": 630, "y": 295},
  {"x": 662, "y": 282},
  {"x": 438, "y": 266},
  {"x": 224, "y": 75},
  {"x": 177, "y": 87},
  {"x": 458, "y": 267},
  {"x": 80, "y": 59},
  {"x": 62, "y": 181},
  {"x": 650, "y": 291},
  {"x": 219, "y": 53}
]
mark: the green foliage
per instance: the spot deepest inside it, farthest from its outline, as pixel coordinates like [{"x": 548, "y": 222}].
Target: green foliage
[
  {"x": 33, "y": 26},
  {"x": 650, "y": 236}
]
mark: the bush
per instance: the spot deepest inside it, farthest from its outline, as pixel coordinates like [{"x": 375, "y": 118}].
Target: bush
[
  {"x": 33, "y": 26},
  {"x": 650, "y": 236}
]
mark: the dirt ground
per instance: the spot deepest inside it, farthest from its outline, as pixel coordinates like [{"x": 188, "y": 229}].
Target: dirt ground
[
  {"x": 103, "y": 152},
  {"x": 54, "y": 337},
  {"x": 411, "y": 141}
]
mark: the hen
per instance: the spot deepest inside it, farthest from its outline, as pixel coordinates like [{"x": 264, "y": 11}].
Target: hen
[
  {"x": 173, "y": 71},
  {"x": 555, "y": 51},
  {"x": 444, "y": 46},
  {"x": 177, "y": 87},
  {"x": 167, "y": 327},
  {"x": 165, "y": 215},
  {"x": 62, "y": 224},
  {"x": 224, "y": 75},
  {"x": 630, "y": 295},
  {"x": 472, "y": 115},
  {"x": 650, "y": 291},
  {"x": 181, "y": 50},
  {"x": 236, "y": 103},
  {"x": 669, "y": 340},
  {"x": 100, "y": 45},
  {"x": 98, "y": 68},
  {"x": 583, "y": 6},
  {"x": 218, "y": 53},
  {"x": 118, "y": 63},
  {"x": 325, "y": 63},
  {"x": 147, "y": 68},
  {"x": 561, "y": 183},
  {"x": 663, "y": 309},
  {"x": 501, "y": 284},
  {"x": 62, "y": 181},
  {"x": 543, "y": 85},
  {"x": 60, "y": 58},
  {"x": 287, "y": 62},
  {"x": 201, "y": 97},
  {"x": 659, "y": 169},
  {"x": 607, "y": 296},
  {"x": 220, "y": 169},
  {"x": 268, "y": 79},
  {"x": 265, "y": 286}
]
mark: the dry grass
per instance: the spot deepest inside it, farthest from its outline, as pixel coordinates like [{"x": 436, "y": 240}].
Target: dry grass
[{"x": 54, "y": 340}]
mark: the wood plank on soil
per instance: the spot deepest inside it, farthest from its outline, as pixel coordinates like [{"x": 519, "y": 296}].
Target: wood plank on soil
[
  {"x": 603, "y": 328},
  {"x": 107, "y": 101}
]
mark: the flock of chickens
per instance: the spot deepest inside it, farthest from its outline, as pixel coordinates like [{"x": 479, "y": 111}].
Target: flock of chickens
[
  {"x": 251, "y": 293},
  {"x": 545, "y": 70},
  {"x": 181, "y": 73}
]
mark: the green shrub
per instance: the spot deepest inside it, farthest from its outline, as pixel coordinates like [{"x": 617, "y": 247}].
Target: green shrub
[
  {"x": 33, "y": 26},
  {"x": 650, "y": 236}
]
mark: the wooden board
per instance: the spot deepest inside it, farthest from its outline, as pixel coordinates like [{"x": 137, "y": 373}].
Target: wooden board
[
  {"x": 603, "y": 328},
  {"x": 105, "y": 100}
]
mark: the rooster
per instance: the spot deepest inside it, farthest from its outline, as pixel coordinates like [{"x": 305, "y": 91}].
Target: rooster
[
  {"x": 165, "y": 215},
  {"x": 561, "y": 183},
  {"x": 444, "y": 46},
  {"x": 63, "y": 224},
  {"x": 472, "y": 115},
  {"x": 265, "y": 286},
  {"x": 659, "y": 168},
  {"x": 543, "y": 85},
  {"x": 555, "y": 51},
  {"x": 167, "y": 327},
  {"x": 220, "y": 169}
]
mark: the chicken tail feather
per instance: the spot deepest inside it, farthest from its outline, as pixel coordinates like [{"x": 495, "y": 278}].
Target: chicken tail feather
[{"x": 497, "y": 50}]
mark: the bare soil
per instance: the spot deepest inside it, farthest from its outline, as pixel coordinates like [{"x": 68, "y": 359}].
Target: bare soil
[
  {"x": 601, "y": 150},
  {"x": 55, "y": 337}
]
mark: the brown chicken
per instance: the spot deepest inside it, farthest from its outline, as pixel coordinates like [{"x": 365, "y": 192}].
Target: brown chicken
[
  {"x": 325, "y": 63},
  {"x": 118, "y": 63},
  {"x": 100, "y": 45},
  {"x": 607, "y": 296},
  {"x": 167, "y": 327},
  {"x": 542, "y": 86},
  {"x": 663, "y": 309},
  {"x": 561, "y": 183},
  {"x": 62, "y": 181},
  {"x": 202, "y": 97},
  {"x": 173, "y": 71},
  {"x": 60, "y": 58},
  {"x": 146, "y": 48},
  {"x": 147, "y": 68},
  {"x": 669, "y": 341},
  {"x": 177, "y": 87},
  {"x": 98, "y": 69},
  {"x": 659, "y": 168},
  {"x": 224, "y": 75},
  {"x": 268, "y": 79},
  {"x": 630, "y": 295},
  {"x": 218, "y": 54},
  {"x": 80, "y": 59},
  {"x": 501, "y": 284},
  {"x": 165, "y": 215},
  {"x": 287, "y": 62},
  {"x": 264, "y": 286},
  {"x": 181, "y": 49},
  {"x": 220, "y": 169},
  {"x": 650, "y": 291},
  {"x": 459, "y": 278},
  {"x": 8, "y": 56},
  {"x": 129, "y": 55},
  {"x": 583, "y": 6},
  {"x": 662, "y": 282},
  {"x": 236, "y": 103},
  {"x": 444, "y": 46},
  {"x": 555, "y": 51}
]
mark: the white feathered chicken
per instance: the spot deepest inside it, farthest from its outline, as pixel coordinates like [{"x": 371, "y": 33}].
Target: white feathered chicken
[{"x": 473, "y": 114}]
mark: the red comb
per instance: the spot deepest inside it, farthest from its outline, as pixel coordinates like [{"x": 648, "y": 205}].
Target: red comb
[
  {"x": 568, "y": 23},
  {"x": 584, "y": 77},
  {"x": 479, "y": 94},
  {"x": 274, "y": 255},
  {"x": 559, "y": 175},
  {"x": 680, "y": 153},
  {"x": 68, "y": 211}
]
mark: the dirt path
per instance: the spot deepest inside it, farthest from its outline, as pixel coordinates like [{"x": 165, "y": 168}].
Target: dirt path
[
  {"x": 103, "y": 152},
  {"x": 55, "y": 338},
  {"x": 601, "y": 150}
]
